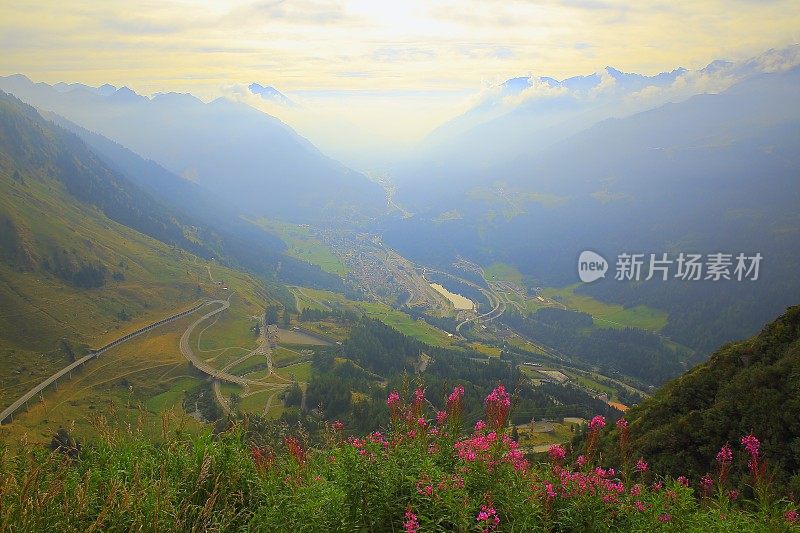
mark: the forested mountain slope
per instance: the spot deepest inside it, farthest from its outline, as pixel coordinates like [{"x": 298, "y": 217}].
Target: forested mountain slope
[{"x": 752, "y": 386}]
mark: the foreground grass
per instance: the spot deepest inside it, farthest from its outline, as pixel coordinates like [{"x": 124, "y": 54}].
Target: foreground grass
[{"x": 422, "y": 476}]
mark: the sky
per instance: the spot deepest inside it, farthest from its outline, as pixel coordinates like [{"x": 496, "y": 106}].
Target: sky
[{"x": 386, "y": 73}]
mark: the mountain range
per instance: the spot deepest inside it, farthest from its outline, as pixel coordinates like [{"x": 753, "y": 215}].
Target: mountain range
[
  {"x": 715, "y": 172},
  {"x": 243, "y": 156}
]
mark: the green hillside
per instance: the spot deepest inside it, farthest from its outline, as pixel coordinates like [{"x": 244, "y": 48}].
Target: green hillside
[
  {"x": 76, "y": 268},
  {"x": 745, "y": 387}
]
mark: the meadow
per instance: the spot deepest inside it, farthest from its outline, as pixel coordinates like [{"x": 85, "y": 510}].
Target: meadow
[{"x": 425, "y": 473}]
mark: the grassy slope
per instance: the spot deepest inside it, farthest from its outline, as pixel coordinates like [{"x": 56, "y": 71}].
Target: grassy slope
[
  {"x": 38, "y": 309},
  {"x": 610, "y": 315},
  {"x": 302, "y": 245},
  {"x": 417, "y": 329}
]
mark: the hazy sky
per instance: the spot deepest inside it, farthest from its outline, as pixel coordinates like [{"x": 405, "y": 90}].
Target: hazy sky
[{"x": 394, "y": 68}]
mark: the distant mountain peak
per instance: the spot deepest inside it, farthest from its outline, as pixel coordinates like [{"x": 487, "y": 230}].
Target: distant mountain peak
[
  {"x": 271, "y": 94},
  {"x": 174, "y": 98},
  {"x": 125, "y": 95}
]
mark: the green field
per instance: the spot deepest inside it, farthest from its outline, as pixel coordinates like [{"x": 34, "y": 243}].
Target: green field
[
  {"x": 419, "y": 329},
  {"x": 173, "y": 396},
  {"x": 283, "y": 356},
  {"x": 502, "y": 272},
  {"x": 561, "y": 433},
  {"x": 299, "y": 371},
  {"x": 254, "y": 403},
  {"x": 302, "y": 245},
  {"x": 248, "y": 364},
  {"x": 609, "y": 315}
]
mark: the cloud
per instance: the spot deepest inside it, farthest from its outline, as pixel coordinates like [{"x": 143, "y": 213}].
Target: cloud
[
  {"x": 413, "y": 52},
  {"x": 536, "y": 90}
]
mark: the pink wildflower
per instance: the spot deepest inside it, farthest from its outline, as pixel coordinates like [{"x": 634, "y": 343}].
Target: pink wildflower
[
  {"x": 725, "y": 459},
  {"x": 393, "y": 399},
  {"x": 416, "y": 404},
  {"x": 733, "y": 494},
  {"x": 411, "y": 524},
  {"x": 752, "y": 445},
  {"x": 488, "y": 517},
  {"x": 395, "y": 406},
  {"x": 791, "y": 516},
  {"x": 664, "y": 518},
  {"x": 581, "y": 460},
  {"x": 295, "y": 450},
  {"x": 498, "y": 404},
  {"x": 480, "y": 425},
  {"x": 639, "y": 506},
  {"x": 337, "y": 425},
  {"x": 454, "y": 401},
  {"x": 706, "y": 484},
  {"x": 682, "y": 480},
  {"x": 725, "y": 455},
  {"x": 641, "y": 465},
  {"x": 441, "y": 416},
  {"x": 556, "y": 453},
  {"x": 597, "y": 423}
]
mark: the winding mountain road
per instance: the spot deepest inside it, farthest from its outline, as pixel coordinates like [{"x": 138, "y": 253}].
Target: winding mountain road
[{"x": 200, "y": 364}]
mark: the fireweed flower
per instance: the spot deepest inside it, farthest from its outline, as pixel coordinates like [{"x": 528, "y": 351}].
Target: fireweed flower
[
  {"x": 395, "y": 406},
  {"x": 416, "y": 403},
  {"x": 441, "y": 417},
  {"x": 595, "y": 425},
  {"x": 295, "y": 450},
  {"x": 682, "y": 480},
  {"x": 725, "y": 454},
  {"x": 498, "y": 404},
  {"x": 454, "y": 401},
  {"x": 411, "y": 524},
  {"x": 480, "y": 425},
  {"x": 706, "y": 484},
  {"x": 641, "y": 465},
  {"x": 487, "y": 517},
  {"x": 263, "y": 458},
  {"x": 622, "y": 426},
  {"x": 752, "y": 445},
  {"x": 556, "y": 453},
  {"x": 725, "y": 460}
]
